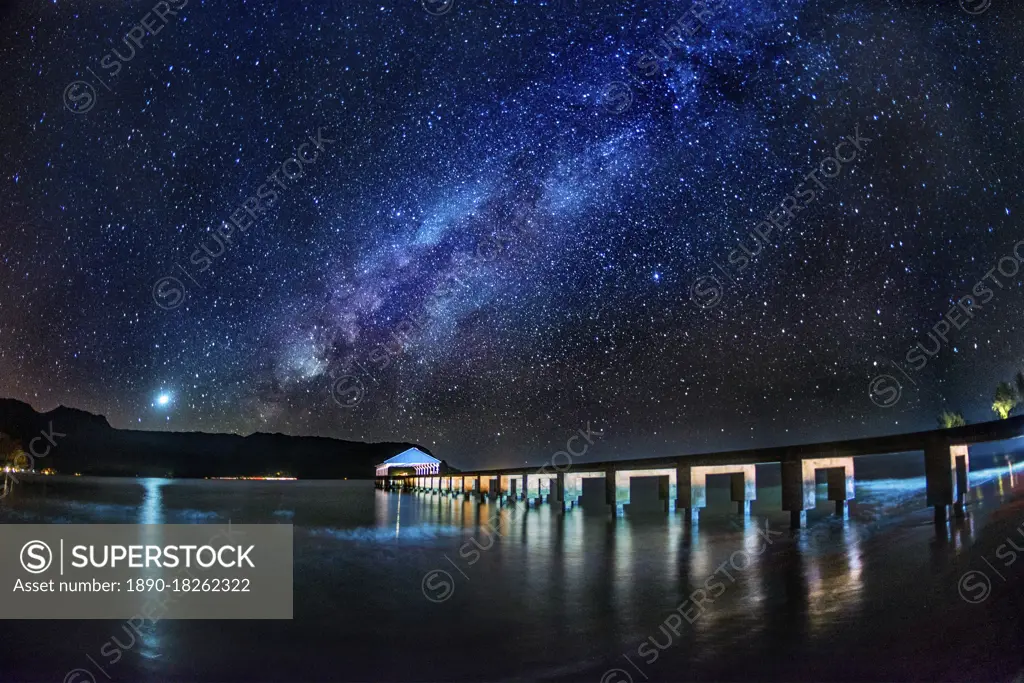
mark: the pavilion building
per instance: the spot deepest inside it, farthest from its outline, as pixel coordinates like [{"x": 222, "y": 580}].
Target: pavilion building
[{"x": 410, "y": 462}]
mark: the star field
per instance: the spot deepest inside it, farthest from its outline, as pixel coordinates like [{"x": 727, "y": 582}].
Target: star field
[{"x": 500, "y": 213}]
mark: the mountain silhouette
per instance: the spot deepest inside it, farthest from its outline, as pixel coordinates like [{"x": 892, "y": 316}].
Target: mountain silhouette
[{"x": 75, "y": 441}]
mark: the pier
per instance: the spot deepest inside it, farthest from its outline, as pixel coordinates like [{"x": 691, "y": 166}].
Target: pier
[{"x": 946, "y": 454}]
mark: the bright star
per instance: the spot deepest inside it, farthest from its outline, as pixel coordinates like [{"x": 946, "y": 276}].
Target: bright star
[{"x": 163, "y": 399}]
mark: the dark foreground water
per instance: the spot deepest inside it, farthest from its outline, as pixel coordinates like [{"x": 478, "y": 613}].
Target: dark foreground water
[{"x": 876, "y": 596}]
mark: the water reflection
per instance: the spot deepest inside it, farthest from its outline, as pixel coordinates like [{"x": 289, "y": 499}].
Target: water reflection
[
  {"x": 834, "y": 583},
  {"x": 398, "y": 516},
  {"x": 152, "y": 510},
  {"x": 557, "y": 594},
  {"x": 745, "y": 581},
  {"x": 147, "y": 640}
]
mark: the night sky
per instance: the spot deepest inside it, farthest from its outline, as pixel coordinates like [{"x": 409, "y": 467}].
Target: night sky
[{"x": 511, "y": 218}]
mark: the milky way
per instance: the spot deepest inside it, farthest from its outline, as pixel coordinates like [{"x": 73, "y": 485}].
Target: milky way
[{"x": 480, "y": 226}]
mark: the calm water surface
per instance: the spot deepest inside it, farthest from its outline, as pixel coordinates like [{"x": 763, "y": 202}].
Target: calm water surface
[{"x": 580, "y": 597}]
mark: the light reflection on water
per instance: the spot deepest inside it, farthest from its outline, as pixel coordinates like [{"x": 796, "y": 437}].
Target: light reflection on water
[
  {"x": 552, "y": 596},
  {"x": 151, "y": 514}
]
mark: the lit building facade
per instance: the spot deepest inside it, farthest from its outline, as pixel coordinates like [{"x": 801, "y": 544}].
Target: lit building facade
[{"x": 412, "y": 462}]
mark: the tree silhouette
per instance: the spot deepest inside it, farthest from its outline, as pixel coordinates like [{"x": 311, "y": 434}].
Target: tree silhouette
[
  {"x": 949, "y": 419},
  {"x": 11, "y": 452},
  {"x": 1006, "y": 399}
]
